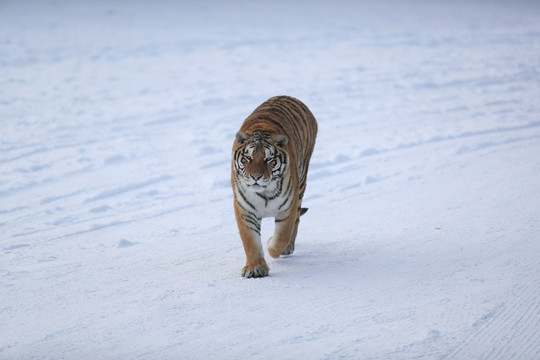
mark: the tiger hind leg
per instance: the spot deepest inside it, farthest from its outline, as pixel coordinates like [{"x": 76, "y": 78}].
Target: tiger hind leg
[
  {"x": 281, "y": 239},
  {"x": 290, "y": 248},
  {"x": 284, "y": 238}
]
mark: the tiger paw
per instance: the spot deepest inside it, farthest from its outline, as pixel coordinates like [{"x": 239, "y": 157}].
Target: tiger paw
[
  {"x": 273, "y": 252},
  {"x": 255, "y": 271},
  {"x": 288, "y": 251}
]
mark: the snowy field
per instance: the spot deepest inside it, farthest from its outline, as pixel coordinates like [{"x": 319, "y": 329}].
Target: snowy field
[{"x": 117, "y": 233}]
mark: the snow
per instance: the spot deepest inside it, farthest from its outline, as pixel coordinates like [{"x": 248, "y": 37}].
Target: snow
[{"x": 117, "y": 233}]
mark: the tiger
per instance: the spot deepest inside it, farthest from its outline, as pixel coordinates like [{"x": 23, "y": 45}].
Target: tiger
[{"x": 270, "y": 160}]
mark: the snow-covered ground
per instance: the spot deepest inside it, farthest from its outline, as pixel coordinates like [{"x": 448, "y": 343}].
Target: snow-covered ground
[{"x": 117, "y": 233}]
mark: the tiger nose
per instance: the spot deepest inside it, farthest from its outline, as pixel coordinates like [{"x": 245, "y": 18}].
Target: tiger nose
[{"x": 256, "y": 176}]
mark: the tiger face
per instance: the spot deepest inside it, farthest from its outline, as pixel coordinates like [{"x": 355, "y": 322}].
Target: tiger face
[{"x": 260, "y": 160}]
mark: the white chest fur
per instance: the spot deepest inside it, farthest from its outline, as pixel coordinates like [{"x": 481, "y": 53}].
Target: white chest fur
[{"x": 264, "y": 206}]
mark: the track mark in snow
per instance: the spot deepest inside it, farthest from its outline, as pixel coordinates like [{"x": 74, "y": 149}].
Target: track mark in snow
[
  {"x": 24, "y": 155},
  {"x": 439, "y": 139},
  {"x": 19, "y": 188},
  {"x": 509, "y": 331},
  {"x": 123, "y": 243},
  {"x": 502, "y": 102},
  {"x": 60, "y": 197},
  {"x": 9, "y": 211},
  {"x": 164, "y": 121},
  {"x": 484, "y": 145},
  {"x": 480, "y": 81},
  {"x": 127, "y": 188},
  {"x": 115, "y": 159},
  {"x": 100, "y": 209},
  {"x": 14, "y": 247},
  {"x": 339, "y": 159},
  {"x": 96, "y": 227}
]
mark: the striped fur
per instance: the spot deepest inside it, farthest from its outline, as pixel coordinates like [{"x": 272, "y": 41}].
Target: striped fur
[{"x": 270, "y": 161}]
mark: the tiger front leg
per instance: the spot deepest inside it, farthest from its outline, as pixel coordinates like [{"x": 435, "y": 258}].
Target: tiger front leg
[
  {"x": 249, "y": 227},
  {"x": 256, "y": 265}
]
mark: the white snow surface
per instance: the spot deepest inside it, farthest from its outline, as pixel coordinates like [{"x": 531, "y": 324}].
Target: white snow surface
[{"x": 117, "y": 233}]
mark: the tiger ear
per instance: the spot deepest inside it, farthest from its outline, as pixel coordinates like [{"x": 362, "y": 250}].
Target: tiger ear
[
  {"x": 241, "y": 137},
  {"x": 281, "y": 140}
]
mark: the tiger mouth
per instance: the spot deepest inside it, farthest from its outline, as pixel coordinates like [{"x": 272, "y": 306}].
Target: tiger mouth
[{"x": 257, "y": 187}]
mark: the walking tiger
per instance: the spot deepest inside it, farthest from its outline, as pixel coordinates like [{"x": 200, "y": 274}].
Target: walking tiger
[{"x": 270, "y": 160}]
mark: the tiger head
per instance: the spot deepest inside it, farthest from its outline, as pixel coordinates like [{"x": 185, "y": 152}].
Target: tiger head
[{"x": 260, "y": 159}]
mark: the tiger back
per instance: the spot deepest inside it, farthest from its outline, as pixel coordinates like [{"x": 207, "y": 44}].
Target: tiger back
[{"x": 270, "y": 161}]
